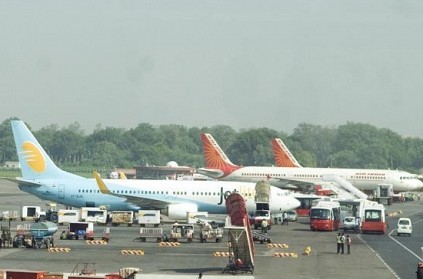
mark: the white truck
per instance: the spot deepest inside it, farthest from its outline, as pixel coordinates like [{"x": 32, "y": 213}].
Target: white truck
[
  {"x": 66, "y": 216},
  {"x": 96, "y": 215},
  {"x": 148, "y": 217},
  {"x": 30, "y": 212},
  {"x": 122, "y": 218}
]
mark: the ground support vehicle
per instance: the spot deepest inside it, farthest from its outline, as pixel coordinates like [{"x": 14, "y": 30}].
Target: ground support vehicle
[
  {"x": 148, "y": 217},
  {"x": 240, "y": 257},
  {"x": 181, "y": 231},
  {"x": 30, "y": 213},
  {"x": 404, "y": 226},
  {"x": 261, "y": 237},
  {"x": 42, "y": 234},
  {"x": 66, "y": 216},
  {"x": 79, "y": 230},
  {"x": 210, "y": 231},
  {"x": 241, "y": 248},
  {"x": 145, "y": 233},
  {"x": 259, "y": 216},
  {"x": 50, "y": 215},
  {"x": 97, "y": 215},
  {"x": 374, "y": 219},
  {"x": 351, "y": 223},
  {"x": 325, "y": 216},
  {"x": 122, "y": 218},
  {"x": 9, "y": 215},
  {"x": 419, "y": 271}
]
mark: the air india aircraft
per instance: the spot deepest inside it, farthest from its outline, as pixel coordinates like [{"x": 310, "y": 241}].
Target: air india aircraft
[{"x": 218, "y": 166}]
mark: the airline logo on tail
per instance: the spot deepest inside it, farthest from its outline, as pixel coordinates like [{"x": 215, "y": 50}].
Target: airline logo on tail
[
  {"x": 33, "y": 157},
  {"x": 214, "y": 156},
  {"x": 283, "y": 157}
]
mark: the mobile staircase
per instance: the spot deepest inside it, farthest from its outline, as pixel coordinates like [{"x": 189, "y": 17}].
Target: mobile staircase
[{"x": 240, "y": 237}]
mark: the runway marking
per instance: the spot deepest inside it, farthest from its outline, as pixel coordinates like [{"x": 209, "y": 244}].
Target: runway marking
[
  {"x": 402, "y": 245},
  {"x": 380, "y": 258}
]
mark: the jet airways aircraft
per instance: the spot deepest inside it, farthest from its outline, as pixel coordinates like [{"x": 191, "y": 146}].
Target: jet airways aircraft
[
  {"x": 218, "y": 166},
  {"x": 42, "y": 178}
]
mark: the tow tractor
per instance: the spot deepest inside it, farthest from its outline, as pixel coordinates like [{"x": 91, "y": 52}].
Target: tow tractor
[
  {"x": 181, "y": 231},
  {"x": 210, "y": 231}
]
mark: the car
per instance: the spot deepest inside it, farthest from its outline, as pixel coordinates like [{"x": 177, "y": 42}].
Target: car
[
  {"x": 291, "y": 215},
  {"x": 350, "y": 223},
  {"x": 404, "y": 226}
]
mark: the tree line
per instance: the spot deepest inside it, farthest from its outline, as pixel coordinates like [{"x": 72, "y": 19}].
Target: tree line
[{"x": 352, "y": 145}]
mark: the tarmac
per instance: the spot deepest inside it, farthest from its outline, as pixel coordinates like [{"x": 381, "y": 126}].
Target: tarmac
[{"x": 286, "y": 257}]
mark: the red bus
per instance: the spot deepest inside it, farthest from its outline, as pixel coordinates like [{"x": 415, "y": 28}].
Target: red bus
[
  {"x": 306, "y": 202},
  {"x": 374, "y": 219},
  {"x": 325, "y": 216}
]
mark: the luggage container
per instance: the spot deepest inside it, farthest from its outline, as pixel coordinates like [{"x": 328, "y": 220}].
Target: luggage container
[
  {"x": 149, "y": 217},
  {"x": 66, "y": 216},
  {"x": 122, "y": 218}
]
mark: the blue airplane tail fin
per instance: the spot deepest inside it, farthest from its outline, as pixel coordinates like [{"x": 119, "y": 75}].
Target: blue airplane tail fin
[{"x": 34, "y": 161}]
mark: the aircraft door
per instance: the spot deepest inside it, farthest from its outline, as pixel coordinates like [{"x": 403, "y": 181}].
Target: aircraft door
[{"x": 61, "y": 191}]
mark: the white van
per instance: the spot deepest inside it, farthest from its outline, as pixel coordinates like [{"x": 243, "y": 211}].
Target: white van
[{"x": 404, "y": 226}]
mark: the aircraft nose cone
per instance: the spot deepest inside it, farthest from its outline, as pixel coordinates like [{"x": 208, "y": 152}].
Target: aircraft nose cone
[
  {"x": 419, "y": 184},
  {"x": 294, "y": 202}
]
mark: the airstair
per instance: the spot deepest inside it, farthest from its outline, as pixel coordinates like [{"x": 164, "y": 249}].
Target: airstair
[
  {"x": 344, "y": 189},
  {"x": 240, "y": 237}
]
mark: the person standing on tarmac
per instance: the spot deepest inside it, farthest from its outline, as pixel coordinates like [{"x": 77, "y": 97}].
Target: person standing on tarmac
[
  {"x": 348, "y": 240},
  {"x": 264, "y": 226},
  {"x": 342, "y": 243},
  {"x": 338, "y": 243},
  {"x": 285, "y": 218}
]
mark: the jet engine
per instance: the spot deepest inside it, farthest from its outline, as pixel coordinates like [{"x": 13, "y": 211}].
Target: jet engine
[{"x": 179, "y": 211}]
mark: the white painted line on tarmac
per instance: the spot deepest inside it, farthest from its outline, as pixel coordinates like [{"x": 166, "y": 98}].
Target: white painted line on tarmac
[
  {"x": 403, "y": 246},
  {"x": 380, "y": 258}
]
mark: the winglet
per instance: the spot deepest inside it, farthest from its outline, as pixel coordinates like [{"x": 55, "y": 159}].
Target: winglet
[{"x": 100, "y": 183}]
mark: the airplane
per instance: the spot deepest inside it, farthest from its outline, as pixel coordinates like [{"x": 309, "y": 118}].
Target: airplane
[
  {"x": 218, "y": 166},
  {"x": 42, "y": 178},
  {"x": 283, "y": 157}
]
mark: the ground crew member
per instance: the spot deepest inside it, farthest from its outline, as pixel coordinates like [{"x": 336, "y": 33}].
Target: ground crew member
[
  {"x": 348, "y": 240},
  {"x": 264, "y": 225},
  {"x": 285, "y": 218},
  {"x": 338, "y": 243},
  {"x": 342, "y": 243}
]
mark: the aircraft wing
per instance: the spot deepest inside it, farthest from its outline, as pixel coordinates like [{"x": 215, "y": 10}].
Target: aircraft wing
[
  {"x": 214, "y": 173},
  {"x": 291, "y": 184},
  {"x": 20, "y": 181},
  {"x": 142, "y": 202}
]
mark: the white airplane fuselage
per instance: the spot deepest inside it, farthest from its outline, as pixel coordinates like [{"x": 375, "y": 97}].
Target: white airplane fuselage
[
  {"x": 363, "y": 179},
  {"x": 206, "y": 195}
]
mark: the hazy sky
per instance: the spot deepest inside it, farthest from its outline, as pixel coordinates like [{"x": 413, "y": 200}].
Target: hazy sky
[{"x": 245, "y": 64}]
